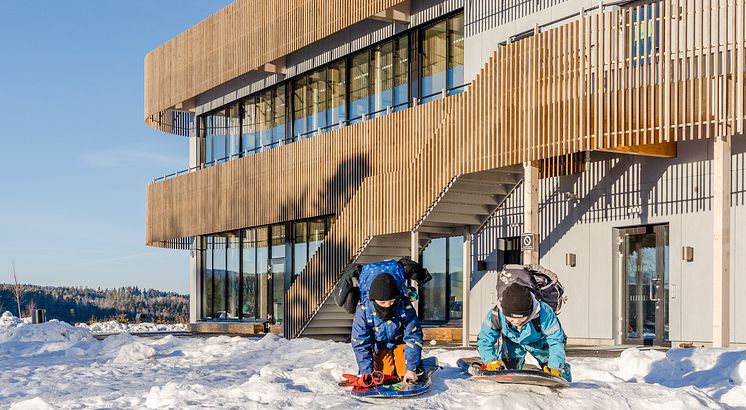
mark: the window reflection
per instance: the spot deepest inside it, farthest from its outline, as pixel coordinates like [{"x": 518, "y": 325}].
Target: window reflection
[
  {"x": 248, "y": 126},
  {"x": 219, "y": 277},
  {"x": 442, "y": 297},
  {"x": 433, "y": 61},
  {"x": 250, "y": 304},
  {"x": 245, "y": 274},
  {"x": 401, "y": 73},
  {"x": 336, "y": 83},
  {"x": 300, "y": 247},
  {"x": 456, "y": 52},
  {"x": 383, "y": 78},
  {"x": 359, "y": 82},
  {"x": 378, "y": 77}
]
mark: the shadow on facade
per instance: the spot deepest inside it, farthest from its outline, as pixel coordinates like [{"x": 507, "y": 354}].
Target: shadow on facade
[{"x": 617, "y": 187}]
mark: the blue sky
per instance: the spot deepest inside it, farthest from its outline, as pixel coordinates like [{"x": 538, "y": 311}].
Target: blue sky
[{"x": 76, "y": 154}]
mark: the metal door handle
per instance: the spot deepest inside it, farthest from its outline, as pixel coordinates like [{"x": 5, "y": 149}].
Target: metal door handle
[{"x": 656, "y": 289}]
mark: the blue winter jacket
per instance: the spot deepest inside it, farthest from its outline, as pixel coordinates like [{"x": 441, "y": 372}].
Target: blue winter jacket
[
  {"x": 551, "y": 333},
  {"x": 370, "y": 333}
]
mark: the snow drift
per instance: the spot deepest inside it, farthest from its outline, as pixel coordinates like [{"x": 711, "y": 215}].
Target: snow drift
[{"x": 55, "y": 365}]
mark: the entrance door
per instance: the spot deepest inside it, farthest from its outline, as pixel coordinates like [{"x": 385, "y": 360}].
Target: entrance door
[
  {"x": 644, "y": 253},
  {"x": 278, "y": 278}
]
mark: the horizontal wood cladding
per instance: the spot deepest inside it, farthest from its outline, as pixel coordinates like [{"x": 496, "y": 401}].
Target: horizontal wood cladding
[
  {"x": 570, "y": 89},
  {"x": 240, "y": 38}
]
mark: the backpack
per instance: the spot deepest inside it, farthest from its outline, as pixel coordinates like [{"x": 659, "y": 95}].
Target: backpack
[
  {"x": 543, "y": 284},
  {"x": 350, "y": 284}
]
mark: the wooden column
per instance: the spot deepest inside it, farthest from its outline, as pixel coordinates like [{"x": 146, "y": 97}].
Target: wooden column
[
  {"x": 721, "y": 242},
  {"x": 466, "y": 288},
  {"x": 531, "y": 208}
]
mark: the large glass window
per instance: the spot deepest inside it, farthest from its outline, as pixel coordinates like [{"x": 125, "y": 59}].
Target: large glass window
[
  {"x": 433, "y": 294},
  {"x": 401, "y": 73},
  {"x": 337, "y": 84},
  {"x": 278, "y": 271},
  {"x": 244, "y": 275},
  {"x": 383, "y": 78},
  {"x": 364, "y": 83},
  {"x": 265, "y": 116},
  {"x": 248, "y": 127},
  {"x": 234, "y": 132},
  {"x": 455, "y": 277},
  {"x": 300, "y": 247},
  {"x": 433, "y": 61},
  {"x": 250, "y": 279},
  {"x": 317, "y": 100},
  {"x": 317, "y": 230},
  {"x": 219, "y": 276},
  {"x": 359, "y": 86},
  {"x": 442, "y": 297},
  {"x": 300, "y": 107},
  {"x": 456, "y": 52},
  {"x": 278, "y": 115},
  {"x": 233, "y": 266},
  {"x": 262, "y": 269}
]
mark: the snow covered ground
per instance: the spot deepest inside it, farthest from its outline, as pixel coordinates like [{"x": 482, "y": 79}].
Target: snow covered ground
[
  {"x": 55, "y": 365},
  {"x": 115, "y": 327}
]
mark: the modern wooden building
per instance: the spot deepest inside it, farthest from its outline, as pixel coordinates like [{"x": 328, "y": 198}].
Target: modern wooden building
[{"x": 604, "y": 141}]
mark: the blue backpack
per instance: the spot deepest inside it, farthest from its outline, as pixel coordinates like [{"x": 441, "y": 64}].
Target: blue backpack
[{"x": 372, "y": 270}]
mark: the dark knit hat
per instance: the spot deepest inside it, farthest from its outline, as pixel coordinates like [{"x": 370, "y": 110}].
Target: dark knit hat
[
  {"x": 517, "y": 301},
  {"x": 383, "y": 287}
]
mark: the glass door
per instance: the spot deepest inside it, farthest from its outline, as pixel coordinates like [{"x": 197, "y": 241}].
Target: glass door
[
  {"x": 645, "y": 264},
  {"x": 277, "y": 272}
]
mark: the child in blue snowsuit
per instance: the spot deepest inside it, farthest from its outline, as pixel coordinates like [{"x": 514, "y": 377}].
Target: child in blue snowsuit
[
  {"x": 386, "y": 334},
  {"x": 526, "y": 325}
]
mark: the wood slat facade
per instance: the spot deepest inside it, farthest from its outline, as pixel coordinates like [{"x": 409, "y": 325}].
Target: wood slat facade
[
  {"x": 578, "y": 87},
  {"x": 237, "y": 39}
]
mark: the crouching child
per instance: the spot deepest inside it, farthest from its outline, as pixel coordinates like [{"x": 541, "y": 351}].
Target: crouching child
[
  {"x": 522, "y": 324},
  {"x": 386, "y": 334}
]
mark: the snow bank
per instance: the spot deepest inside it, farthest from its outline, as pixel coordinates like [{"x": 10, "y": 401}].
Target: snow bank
[
  {"x": 68, "y": 368},
  {"x": 113, "y": 326}
]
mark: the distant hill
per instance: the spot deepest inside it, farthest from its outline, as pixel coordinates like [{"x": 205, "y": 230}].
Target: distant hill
[{"x": 72, "y": 304}]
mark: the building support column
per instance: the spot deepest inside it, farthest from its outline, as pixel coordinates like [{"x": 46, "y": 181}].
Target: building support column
[
  {"x": 531, "y": 209},
  {"x": 414, "y": 254},
  {"x": 721, "y": 188},
  {"x": 195, "y": 293},
  {"x": 466, "y": 288}
]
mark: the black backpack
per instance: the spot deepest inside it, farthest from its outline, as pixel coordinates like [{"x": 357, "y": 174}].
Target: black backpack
[
  {"x": 348, "y": 289},
  {"x": 543, "y": 283}
]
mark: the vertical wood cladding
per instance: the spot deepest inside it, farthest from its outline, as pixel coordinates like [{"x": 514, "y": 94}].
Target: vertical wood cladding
[
  {"x": 621, "y": 78},
  {"x": 240, "y": 38}
]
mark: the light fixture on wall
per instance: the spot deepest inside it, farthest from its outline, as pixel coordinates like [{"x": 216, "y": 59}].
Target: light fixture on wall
[
  {"x": 687, "y": 253},
  {"x": 570, "y": 259}
]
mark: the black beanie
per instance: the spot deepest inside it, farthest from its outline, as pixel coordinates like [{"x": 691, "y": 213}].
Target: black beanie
[
  {"x": 383, "y": 287},
  {"x": 517, "y": 301}
]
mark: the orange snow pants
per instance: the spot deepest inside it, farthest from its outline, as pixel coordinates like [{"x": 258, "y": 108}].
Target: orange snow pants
[{"x": 391, "y": 362}]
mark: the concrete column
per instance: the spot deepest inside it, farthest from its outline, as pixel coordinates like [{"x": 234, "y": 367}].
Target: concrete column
[
  {"x": 466, "y": 288},
  {"x": 195, "y": 294},
  {"x": 415, "y": 256},
  {"x": 531, "y": 208},
  {"x": 721, "y": 176}
]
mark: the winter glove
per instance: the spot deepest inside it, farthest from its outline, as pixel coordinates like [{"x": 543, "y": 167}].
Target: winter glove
[
  {"x": 493, "y": 365},
  {"x": 349, "y": 380},
  {"x": 367, "y": 380},
  {"x": 553, "y": 372}
]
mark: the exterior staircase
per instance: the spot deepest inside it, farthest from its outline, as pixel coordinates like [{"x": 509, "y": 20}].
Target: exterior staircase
[{"x": 466, "y": 203}]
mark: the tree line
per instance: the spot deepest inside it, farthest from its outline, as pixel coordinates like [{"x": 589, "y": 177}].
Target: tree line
[{"x": 79, "y": 304}]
